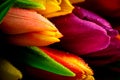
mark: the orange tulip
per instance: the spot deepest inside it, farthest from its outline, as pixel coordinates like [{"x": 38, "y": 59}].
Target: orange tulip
[{"x": 26, "y": 27}]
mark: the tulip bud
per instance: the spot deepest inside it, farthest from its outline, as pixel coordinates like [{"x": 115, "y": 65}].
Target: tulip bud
[
  {"x": 26, "y": 27},
  {"x": 74, "y": 63},
  {"x": 84, "y": 32}
]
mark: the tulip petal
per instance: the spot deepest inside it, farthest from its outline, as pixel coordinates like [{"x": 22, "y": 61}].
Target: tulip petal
[
  {"x": 34, "y": 39},
  {"x": 56, "y": 8},
  {"x": 106, "y": 56},
  {"x": 112, "y": 50},
  {"x": 21, "y": 21},
  {"x": 81, "y": 36},
  {"x": 88, "y": 15}
]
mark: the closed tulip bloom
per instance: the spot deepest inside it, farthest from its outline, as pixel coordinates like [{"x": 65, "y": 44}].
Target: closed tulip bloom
[
  {"x": 84, "y": 32},
  {"x": 26, "y": 27}
]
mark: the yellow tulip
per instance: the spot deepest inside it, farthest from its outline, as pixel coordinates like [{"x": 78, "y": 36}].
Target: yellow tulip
[{"x": 57, "y": 7}]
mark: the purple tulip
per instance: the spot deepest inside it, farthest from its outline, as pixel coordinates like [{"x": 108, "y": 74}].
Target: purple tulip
[{"x": 84, "y": 32}]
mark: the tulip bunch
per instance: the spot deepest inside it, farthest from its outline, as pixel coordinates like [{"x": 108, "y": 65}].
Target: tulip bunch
[{"x": 54, "y": 40}]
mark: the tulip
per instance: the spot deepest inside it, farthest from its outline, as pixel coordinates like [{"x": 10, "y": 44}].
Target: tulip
[
  {"x": 8, "y": 71},
  {"x": 57, "y": 7},
  {"x": 26, "y": 27},
  {"x": 84, "y": 32},
  {"x": 74, "y": 63}
]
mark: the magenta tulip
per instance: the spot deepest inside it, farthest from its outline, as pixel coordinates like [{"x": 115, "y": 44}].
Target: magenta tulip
[{"x": 84, "y": 32}]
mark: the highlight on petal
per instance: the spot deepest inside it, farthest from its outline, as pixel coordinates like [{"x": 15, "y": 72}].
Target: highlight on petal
[
  {"x": 56, "y": 8},
  {"x": 8, "y": 71},
  {"x": 81, "y": 36}
]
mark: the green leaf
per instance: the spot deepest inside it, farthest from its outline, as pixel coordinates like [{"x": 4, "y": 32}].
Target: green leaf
[
  {"x": 29, "y": 4},
  {"x": 36, "y": 58},
  {"x": 4, "y": 7}
]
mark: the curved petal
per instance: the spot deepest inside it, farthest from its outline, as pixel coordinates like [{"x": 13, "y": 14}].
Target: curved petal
[
  {"x": 88, "y": 15},
  {"x": 21, "y": 21}
]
